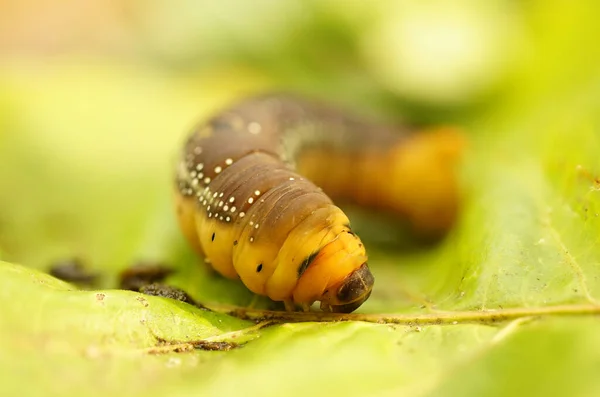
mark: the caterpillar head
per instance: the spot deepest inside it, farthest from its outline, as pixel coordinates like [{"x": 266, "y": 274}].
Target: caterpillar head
[
  {"x": 338, "y": 275},
  {"x": 347, "y": 295}
]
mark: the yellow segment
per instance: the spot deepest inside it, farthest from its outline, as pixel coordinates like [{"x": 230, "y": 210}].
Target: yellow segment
[
  {"x": 416, "y": 178},
  {"x": 305, "y": 239},
  {"x": 334, "y": 263},
  {"x": 248, "y": 255},
  {"x": 218, "y": 250},
  {"x": 186, "y": 216},
  {"x": 425, "y": 182}
]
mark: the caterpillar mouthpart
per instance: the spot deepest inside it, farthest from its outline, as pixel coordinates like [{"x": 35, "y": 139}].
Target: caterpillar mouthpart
[{"x": 351, "y": 293}]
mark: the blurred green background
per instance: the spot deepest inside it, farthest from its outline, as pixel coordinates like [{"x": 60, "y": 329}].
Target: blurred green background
[{"x": 96, "y": 98}]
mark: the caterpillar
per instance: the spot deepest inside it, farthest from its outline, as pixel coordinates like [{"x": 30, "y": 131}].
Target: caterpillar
[{"x": 254, "y": 187}]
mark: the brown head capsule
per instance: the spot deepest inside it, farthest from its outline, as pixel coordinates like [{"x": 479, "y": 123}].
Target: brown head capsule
[{"x": 348, "y": 295}]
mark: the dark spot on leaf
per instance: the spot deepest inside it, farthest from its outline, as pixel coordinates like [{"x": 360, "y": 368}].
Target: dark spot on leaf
[
  {"x": 168, "y": 291},
  {"x": 259, "y": 268},
  {"x": 142, "y": 301},
  {"x": 143, "y": 273},
  {"x": 73, "y": 271},
  {"x": 166, "y": 346},
  {"x": 214, "y": 346},
  {"x": 213, "y": 237},
  {"x": 235, "y": 242}
]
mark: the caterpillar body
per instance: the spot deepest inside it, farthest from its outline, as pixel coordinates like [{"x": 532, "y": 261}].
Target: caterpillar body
[{"x": 253, "y": 189}]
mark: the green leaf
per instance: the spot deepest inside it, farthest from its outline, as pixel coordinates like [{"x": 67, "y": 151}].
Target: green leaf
[{"x": 504, "y": 305}]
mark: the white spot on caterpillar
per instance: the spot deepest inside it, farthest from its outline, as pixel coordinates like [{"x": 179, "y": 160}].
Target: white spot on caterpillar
[
  {"x": 198, "y": 150},
  {"x": 200, "y": 175},
  {"x": 193, "y": 174},
  {"x": 225, "y": 208},
  {"x": 228, "y": 219},
  {"x": 210, "y": 214},
  {"x": 228, "y": 161},
  {"x": 250, "y": 200},
  {"x": 208, "y": 208},
  {"x": 221, "y": 218},
  {"x": 256, "y": 226},
  {"x": 233, "y": 209},
  {"x": 251, "y": 239},
  {"x": 221, "y": 194},
  {"x": 231, "y": 199},
  {"x": 242, "y": 214},
  {"x": 251, "y": 223},
  {"x": 216, "y": 194},
  {"x": 199, "y": 166},
  {"x": 254, "y": 128},
  {"x": 292, "y": 178},
  {"x": 207, "y": 180},
  {"x": 218, "y": 169},
  {"x": 221, "y": 203},
  {"x": 257, "y": 192}
]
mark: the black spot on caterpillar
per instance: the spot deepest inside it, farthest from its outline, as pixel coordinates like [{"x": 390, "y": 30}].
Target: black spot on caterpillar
[
  {"x": 261, "y": 174},
  {"x": 305, "y": 263}
]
